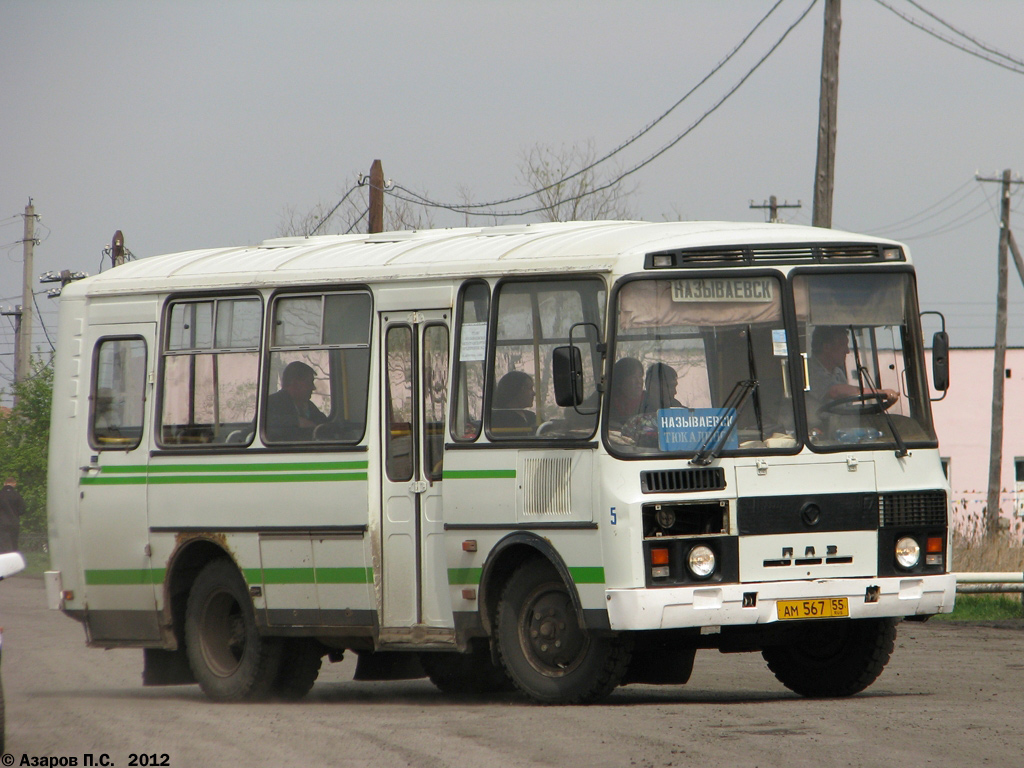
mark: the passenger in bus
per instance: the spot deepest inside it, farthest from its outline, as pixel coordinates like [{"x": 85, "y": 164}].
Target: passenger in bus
[
  {"x": 627, "y": 391},
  {"x": 830, "y": 346},
  {"x": 660, "y": 388},
  {"x": 290, "y": 414},
  {"x": 513, "y": 398}
]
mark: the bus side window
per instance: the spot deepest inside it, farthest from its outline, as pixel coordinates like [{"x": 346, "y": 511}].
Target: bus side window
[
  {"x": 471, "y": 344},
  {"x": 210, "y": 372},
  {"x": 118, "y": 394},
  {"x": 319, "y": 368}
]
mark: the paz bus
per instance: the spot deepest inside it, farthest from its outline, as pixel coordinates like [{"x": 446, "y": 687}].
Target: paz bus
[{"x": 560, "y": 457}]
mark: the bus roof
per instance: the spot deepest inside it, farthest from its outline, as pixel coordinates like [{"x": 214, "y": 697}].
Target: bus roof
[{"x": 442, "y": 253}]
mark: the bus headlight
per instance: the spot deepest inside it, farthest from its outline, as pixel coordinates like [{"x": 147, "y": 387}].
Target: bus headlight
[
  {"x": 908, "y": 552},
  {"x": 701, "y": 561}
]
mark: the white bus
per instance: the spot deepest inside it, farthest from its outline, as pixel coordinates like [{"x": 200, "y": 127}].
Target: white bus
[{"x": 559, "y": 456}]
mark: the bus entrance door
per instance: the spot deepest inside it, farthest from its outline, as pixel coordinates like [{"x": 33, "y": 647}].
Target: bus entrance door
[
  {"x": 415, "y": 383},
  {"x": 121, "y": 579}
]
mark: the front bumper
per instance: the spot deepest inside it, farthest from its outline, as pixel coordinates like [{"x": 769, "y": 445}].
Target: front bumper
[{"x": 740, "y": 604}]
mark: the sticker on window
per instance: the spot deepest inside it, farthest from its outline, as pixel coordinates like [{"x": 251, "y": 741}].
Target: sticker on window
[{"x": 688, "y": 429}]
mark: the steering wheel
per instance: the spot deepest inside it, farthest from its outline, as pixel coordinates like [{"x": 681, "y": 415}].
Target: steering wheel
[{"x": 862, "y": 404}]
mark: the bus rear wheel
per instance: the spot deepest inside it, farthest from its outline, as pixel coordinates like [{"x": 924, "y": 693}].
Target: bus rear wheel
[
  {"x": 545, "y": 651},
  {"x": 301, "y": 658},
  {"x": 231, "y": 661},
  {"x": 833, "y": 658}
]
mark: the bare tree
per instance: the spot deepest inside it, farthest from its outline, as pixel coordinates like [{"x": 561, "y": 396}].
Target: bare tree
[{"x": 586, "y": 196}]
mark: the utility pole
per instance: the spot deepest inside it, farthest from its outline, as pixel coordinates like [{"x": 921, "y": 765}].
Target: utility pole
[
  {"x": 995, "y": 464},
  {"x": 824, "y": 172},
  {"x": 23, "y": 353},
  {"x": 773, "y": 206},
  {"x": 376, "y": 197}
]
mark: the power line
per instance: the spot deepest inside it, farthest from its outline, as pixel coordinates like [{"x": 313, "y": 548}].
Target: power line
[
  {"x": 908, "y": 219},
  {"x": 467, "y": 209},
  {"x": 1019, "y": 69},
  {"x": 965, "y": 36}
]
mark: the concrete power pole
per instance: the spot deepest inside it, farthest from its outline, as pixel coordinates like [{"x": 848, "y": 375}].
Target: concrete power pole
[
  {"x": 995, "y": 464},
  {"x": 23, "y": 353},
  {"x": 773, "y": 206},
  {"x": 824, "y": 172},
  {"x": 376, "y": 197}
]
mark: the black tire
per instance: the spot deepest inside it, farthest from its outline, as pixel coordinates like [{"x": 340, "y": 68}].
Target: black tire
[
  {"x": 472, "y": 672},
  {"x": 300, "y": 666},
  {"x": 231, "y": 661},
  {"x": 833, "y": 658},
  {"x": 545, "y": 651}
]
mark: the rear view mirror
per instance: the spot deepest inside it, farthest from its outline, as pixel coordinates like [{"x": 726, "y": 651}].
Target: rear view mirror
[
  {"x": 567, "y": 376},
  {"x": 940, "y": 361}
]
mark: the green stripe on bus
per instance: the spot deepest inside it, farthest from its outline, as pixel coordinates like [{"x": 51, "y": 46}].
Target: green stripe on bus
[
  {"x": 587, "y": 575},
  {"x": 274, "y": 467},
  {"x": 344, "y": 575},
  {"x": 284, "y": 576},
  {"x": 320, "y": 477},
  {"x": 464, "y": 575},
  {"x": 478, "y": 474},
  {"x": 113, "y": 480},
  {"x": 125, "y": 576}
]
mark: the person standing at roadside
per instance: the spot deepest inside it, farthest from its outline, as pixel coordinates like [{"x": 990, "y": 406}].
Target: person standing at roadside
[{"x": 12, "y": 507}]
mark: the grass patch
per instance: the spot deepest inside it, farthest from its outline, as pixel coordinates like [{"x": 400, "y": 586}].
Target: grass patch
[{"x": 984, "y": 608}]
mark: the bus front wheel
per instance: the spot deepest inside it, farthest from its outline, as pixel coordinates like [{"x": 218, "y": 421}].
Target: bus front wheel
[
  {"x": 230, "y": 659},
  {"x": 833, "y": 658},
  {"x": 545, "y": 651}
]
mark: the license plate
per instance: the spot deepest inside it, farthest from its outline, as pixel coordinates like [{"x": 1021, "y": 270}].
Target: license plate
[{"x": 817, "y": 608}]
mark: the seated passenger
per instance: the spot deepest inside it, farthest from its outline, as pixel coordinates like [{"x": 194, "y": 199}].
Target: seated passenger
[
  {"x": 513, "y": 396},
  {"x": 290, "y": 414},
  {"x": 660, "y": 388}
]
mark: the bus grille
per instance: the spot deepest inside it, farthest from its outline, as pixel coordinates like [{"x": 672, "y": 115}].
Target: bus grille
[
  {"x": 682, "y": 480},
  {"x": 546, "y": 485},
  {"x": 914, "y": 508}
]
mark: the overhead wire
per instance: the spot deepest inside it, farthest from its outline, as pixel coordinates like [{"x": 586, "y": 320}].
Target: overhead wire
[
  {"x": 912, "y": 217},
  {"x": 468, "y": 209},
  {"x": 965, "y": 36},
  {"x": 1017, "y": 66}
]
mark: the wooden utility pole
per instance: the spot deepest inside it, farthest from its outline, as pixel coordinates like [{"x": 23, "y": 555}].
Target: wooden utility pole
[
  {"x": 23, "y": 353},
  {"x": 376, "y": 197},
  {"x": 995, "y": 461},
  {"x": 773, "y": 206},
  {"x": 824, "y": 172}
]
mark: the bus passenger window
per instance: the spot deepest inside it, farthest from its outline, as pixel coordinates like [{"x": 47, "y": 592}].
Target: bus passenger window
[
  {"x": 471, "y": 338},
  {"x": 319, "y": 369},
  {"x": 210, "y": 372},
  {"x": 118, "y": 394}
]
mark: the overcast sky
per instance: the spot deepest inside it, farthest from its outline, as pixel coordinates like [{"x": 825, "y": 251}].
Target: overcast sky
[{"x": 197, "y": 124}]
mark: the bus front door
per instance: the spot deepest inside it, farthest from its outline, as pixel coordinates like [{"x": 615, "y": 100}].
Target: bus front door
[{"x": 415, "y": 383}]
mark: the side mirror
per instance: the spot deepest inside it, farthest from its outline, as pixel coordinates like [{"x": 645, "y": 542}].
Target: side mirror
[
  {"x": 567, "y": 376},
  {"x": 940, "y": 361}
]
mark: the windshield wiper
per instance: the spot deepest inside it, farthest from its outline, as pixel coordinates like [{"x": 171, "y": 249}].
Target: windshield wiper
[
  {"x": 901, "y": 447},
  {"x": 752, "y": 368},
  {"x": 712, "y": 445}
]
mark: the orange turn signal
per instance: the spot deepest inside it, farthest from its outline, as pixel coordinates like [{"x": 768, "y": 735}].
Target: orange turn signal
[
  {"x": 934, "y": 544},
  {"x": 659, "y": 557}
]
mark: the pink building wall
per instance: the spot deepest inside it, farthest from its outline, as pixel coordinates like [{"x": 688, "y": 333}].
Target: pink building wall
[{"x": 963, "y": 421}]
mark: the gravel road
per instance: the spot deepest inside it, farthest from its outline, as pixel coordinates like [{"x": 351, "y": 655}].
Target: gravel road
[{"x": 952, "y": 695}]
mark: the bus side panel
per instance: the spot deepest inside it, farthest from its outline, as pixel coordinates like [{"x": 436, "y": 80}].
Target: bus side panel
[{"x": 68, "y": 418}]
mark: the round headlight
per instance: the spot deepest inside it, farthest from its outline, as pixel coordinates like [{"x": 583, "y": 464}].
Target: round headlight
[
  {"x": 666, "y": 518},
  {"x": 908, "y": 552},
  {"x": 701, "y": 561}
]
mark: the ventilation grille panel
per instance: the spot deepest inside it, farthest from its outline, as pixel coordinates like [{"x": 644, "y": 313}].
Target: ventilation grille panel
[
  {"x": 916, "y": 508},
  {"x": 683, "y": 480},
  {"x": 546, "y": 484}
]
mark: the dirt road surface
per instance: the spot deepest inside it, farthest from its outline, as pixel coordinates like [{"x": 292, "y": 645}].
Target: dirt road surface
[{"x": 953, "y": 695}]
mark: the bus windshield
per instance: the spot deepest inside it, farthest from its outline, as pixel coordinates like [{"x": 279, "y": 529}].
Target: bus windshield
[
  {"x": 702, "y": 365},
  {"x": 861, "y": 356}
]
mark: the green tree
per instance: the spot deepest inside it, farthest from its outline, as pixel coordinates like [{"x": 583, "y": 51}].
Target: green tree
[{"x": 24, "y": 437}]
